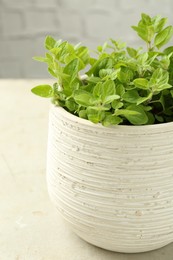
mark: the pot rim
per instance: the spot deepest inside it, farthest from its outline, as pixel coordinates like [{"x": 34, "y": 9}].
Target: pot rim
[{"x": 86, "y": 122}]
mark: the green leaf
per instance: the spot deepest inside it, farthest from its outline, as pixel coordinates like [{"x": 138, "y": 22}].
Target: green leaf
[
  {"x": 104, "y": 72},
  {"x": 159, "y": 80},
  {"x": 49, "y": 57},
  {"x": 165, "y": 62},
  {"x": 92, "y": 61},
  {"x": 146, "y": 19},
  {"x": 150, "y": 33},
  {"x": 113, "y": 75},
  {"x": 43, "y": 91},
  {"x": 159, "y": 118},
  {"x": 151, "y": 118},
  {"x": 140, "y": 118},
  {"x": 93, "y": 79},
  {"x": 141, "y": 83},
  {"x": 49, "y": 43},
  {"x": 83, "y": 54},
  {"x": 71, "y": 69},
  {"x": 163, "y": 86},
  {"x": 99, "y": 48},
  {"x": 88, "y": 87},
  {"x": 144, "y": 99},
  {"x": 75, "y": 85},
  {"x": 159, "y": 76},
  {"x": 99, "y": 107},
  {"x": 111, "y": 98},
  {"x": 145, "y": 28},
  {"x": 117, "y": 104},
  {"x": 131, "y": 96},
  {"x": 162, "y": 99},
  {"x": 103, "y": 63},
  {"x": 52, "y": 73},
  {"x": 58, "y": 43},
  {"x": 125, "y": 75},
  {"x": 146, "y": 108},
  {"x": 151, "y": 57},
  {"x": 57, "y": 68},
  {"x": 97, "y": 90},
  {"x": 120, "y": 64},
  {"x": 159, "y": 23},
  {"x": 77, "y": 46},
  {"x": 126, "y": 112},
  {"x": 107, "y": 89},
  {"x": 163, "y": 37},
  {"x": 142, "y": 32},
  {"x": 56, "y": 50},
  {"x": 120, "y": 90},
  {"x": 168, "y": 50},
  {"x": 64, "y": 53},
  {"x": 132, "y": 52},
  {"x": 71, "y": 105},
  {"x": 143, "y": 58},
  {"x": 83, "y": 114},
  {"x": 118, "y": 45},
  {"x": 111, "y": 120},
  {"x": 94, "y": 115},
  {"x": 41, "y": 59},
  {"x": 83, "y": 98}
]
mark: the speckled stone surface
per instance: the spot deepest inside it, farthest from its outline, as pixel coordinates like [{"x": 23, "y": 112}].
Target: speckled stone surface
[{"x": 30, "y": 227}]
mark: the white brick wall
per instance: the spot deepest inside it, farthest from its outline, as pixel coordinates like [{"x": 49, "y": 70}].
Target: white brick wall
[
  {"x": 40, "y": 21},
  {"x": 25, "y": 23},
  {"x": 12, "y": 23}
]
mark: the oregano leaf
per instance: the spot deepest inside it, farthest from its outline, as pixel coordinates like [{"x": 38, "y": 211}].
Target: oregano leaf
[
  {"x": 163, "y": 37},
  {"x": 43, "y": 91}
]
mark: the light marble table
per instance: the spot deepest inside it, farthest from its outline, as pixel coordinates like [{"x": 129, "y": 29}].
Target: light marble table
[{"x": 30, "y": 227}]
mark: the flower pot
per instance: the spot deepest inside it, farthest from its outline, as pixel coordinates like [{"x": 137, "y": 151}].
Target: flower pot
[{"x": 113, "y": 185}]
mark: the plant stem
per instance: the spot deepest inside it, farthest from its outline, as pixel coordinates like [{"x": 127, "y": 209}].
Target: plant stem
[{"x": 149, "y": 47}]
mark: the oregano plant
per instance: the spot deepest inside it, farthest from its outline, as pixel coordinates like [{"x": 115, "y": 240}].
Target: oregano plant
[{"x": 123, "y": 85}]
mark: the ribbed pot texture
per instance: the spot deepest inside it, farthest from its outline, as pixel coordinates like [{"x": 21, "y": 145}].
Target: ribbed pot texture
[{"x": 113, "y": 185}]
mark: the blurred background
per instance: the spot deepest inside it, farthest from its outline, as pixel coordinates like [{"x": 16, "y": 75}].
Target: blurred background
[{"x": 25, "y": 23}]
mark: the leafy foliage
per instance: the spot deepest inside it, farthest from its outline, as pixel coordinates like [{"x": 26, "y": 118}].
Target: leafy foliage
[{"x": 123, "y": 85}]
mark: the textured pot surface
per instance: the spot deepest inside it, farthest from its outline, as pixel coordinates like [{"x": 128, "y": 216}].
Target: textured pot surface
[{"x": 114, "y": 186}]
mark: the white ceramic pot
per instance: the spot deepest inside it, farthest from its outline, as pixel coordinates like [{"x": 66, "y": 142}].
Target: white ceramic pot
[{"x": 114, "y": 185}]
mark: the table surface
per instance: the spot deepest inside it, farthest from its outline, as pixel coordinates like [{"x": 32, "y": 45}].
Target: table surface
[{"x": 30, "y": 227}]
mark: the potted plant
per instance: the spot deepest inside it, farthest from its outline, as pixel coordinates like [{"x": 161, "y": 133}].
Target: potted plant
[{"x": 110, "y": 144}]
